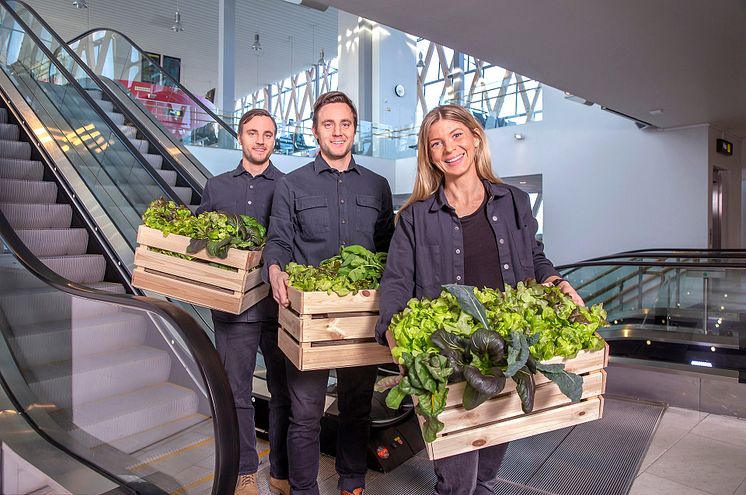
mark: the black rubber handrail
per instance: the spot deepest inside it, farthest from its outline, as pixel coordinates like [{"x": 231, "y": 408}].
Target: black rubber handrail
[
  {"x": 87, "y": 98},
  {"x": 675, "y": 253},
  {"x": 168, "y": 76},
  {"x": 199, "y": 345},
  {"x": 672, "y": 264}
]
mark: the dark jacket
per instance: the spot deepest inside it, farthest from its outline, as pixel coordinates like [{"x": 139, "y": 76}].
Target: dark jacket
[
  {"x": 427, "y": 246},
  {"x": 317, "y": 209},
  {"x": 237, "y": 192}
]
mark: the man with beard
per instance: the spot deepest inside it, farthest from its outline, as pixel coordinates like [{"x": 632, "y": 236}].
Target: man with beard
[
  {"x": 328, "y": 203},
  {"x": 248, "y": 190}
]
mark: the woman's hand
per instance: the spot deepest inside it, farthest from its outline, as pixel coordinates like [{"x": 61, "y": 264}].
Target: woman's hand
[{"x": 567, "y": 289}]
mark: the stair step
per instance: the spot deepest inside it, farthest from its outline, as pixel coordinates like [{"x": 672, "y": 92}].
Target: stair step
[
  {"x": 151, "y": 436},
  {"x": 184, "y": 193},
  {"x": 128, "y": 130},
  {"x": 155, "y": 161},
  {"x": 99, "y": 376},
  {"x": 37, "y": 216},
  {"x": 3, "y": 115},
  {"x": 55, "y": 242},
  {"x": 96, "y": 94},
  {"x": 82, "y": 269},
  {"x": 11, "y": 168},
  {"x": 169, "y": 176},
  {"x": 120, "y": 416},
  {"x": 141, "y": 144},
  {"x": 15, "y": 149},
  {"x": 105, "y": 105},
  {"x": 11, "y": 132},
  {"x": 115, "y": 117},
  {"x": 27, "y": 191},
  {"x": 38, "y": 345}
]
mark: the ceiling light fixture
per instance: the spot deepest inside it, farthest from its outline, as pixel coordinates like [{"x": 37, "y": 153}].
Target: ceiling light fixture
[
  {"x": 177, "y": 26},
  {"x": 420, "y": 62},
  {"x": 518, "y": 136},
  {"x": 80, "y": 4},
  {"x": 256, "y": 45},
  {"x": 321, "y": 61}
]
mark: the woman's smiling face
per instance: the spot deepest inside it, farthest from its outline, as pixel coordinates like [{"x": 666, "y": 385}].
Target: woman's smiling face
[{"x": 452, "y": 147}]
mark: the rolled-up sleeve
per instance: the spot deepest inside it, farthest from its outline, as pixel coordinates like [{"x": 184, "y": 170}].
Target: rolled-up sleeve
[
  {"x": 279, "y": 247},
  {"x": 543, "y": 268},
  {"x": 397, "y": 284},
  {"x": 385, "y": 222}
]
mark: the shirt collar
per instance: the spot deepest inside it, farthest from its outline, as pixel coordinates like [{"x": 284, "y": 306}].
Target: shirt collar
[
  {"x": 270, "y": 172},
  {"x": 440, "y": 201},
  {"x": 320, "y": 165}
]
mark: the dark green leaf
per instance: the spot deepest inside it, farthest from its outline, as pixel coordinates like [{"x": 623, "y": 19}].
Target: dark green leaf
[
  {"x": 526, "y": 388},
  {"x": 518, "y": 353},
  {"x": 489, "y": 385},
  {"x": 487, "y": 342},
  {"x": 472, "y": 397},
  {"x": 431, "y": 428},
  {"x": 196, "y": 245},
  {"x": 569, "y": 384},
  {"x": 464, "y": 294},
  {"x": 395, "y": 397}
]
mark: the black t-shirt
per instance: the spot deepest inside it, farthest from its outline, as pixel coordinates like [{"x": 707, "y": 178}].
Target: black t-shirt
[{"x": 481, "y": 258}]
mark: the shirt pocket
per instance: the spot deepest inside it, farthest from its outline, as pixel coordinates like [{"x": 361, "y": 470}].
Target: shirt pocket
[
  {"x": 523, "y": 243},
  {"x": 313, "y": 215},
  {"x": 427, "y": 272},
  {"x": 367, "y": 210}
]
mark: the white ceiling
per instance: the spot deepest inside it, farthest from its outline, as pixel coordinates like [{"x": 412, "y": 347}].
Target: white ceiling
[
  {"x": 684, "y": 57},
  {"x": 148, "y": 22}
]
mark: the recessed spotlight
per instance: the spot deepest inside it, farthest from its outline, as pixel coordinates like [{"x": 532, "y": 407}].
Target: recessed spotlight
[
  {"x": 656, "y": 111},
  {"x": 712, "y": 349},
  {"x": 648, "y": 342},
  {"x": 518, "y": 136},
  {"x": 522, "y": 182}
]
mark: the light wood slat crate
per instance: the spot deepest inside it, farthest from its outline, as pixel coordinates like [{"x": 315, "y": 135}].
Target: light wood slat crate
[
  {"x": 196, "y": 282},
  {"x": 501, "y": 418},
  {"x": 324, "y": 331}
]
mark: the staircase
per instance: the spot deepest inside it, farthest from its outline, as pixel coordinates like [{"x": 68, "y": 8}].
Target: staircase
[{"x": 104, "y": 373}]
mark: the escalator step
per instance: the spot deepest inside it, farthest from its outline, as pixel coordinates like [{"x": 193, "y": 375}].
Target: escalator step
[
  {"x": 27, "y": 191},
  {"x": 128, "y": 130},
  {"x": 155, "y": 161},
  {"x": 106, "y": 106},
  {"x": 15, "y": 149},
  {"x": 141, "y": 144},
  {"x": 11, "y": 168},
  {"x": 169, "y": 176},
  {"x": 11, "y": 132},
  {"x": 37, "y": 216},
  {"x": 95, "y": 93},
  {"x": 82, "y": 269},
  {"x": 37, "y": 345},
  {"x": 117, "y": 118},
  {"x": 55, "y": 242},
  {"x": 184, "y": 193},
  {"x": 120, "y": 416},
  {"x": 3, "y": 115},
  {"x": 148, "y": 437},
  {"x": 99, "y": 376}
]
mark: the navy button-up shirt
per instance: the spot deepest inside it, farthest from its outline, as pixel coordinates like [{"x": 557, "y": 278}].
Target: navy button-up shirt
[
  {"x": 239, "y": 193},
  {"x": 427, "y": 246},
  {"x": 317, "y": 209}
]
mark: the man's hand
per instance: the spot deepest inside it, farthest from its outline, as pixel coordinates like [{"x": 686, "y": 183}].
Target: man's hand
[
  {"x": 279, "y": 282},
  {"x": 567, "y": 289}
]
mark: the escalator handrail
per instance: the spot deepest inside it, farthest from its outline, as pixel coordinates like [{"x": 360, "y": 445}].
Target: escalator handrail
[
  {"x": 199, "y": 345},
  {"x": 86, "y": 97},
  {"x": 163, "y": 71},
  {"x": 675, "y": 253},
  {"x": 672, "y": 264}
]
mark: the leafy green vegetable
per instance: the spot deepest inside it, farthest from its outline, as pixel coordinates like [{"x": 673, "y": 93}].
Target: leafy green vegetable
[
  {"x": 469, "y": 302},
  {"x": 214, "y": 231},
  {"x": 353, "y": 269},
  {"x": 526, "y": 387}
]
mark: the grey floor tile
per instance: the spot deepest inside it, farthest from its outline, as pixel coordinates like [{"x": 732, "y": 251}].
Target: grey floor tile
[
  {"x": 724, "y": 428},
  {"x": 708, "y": 465},
  {"x": 648, "y": 484},
  {"x": 674, "y": 425}
]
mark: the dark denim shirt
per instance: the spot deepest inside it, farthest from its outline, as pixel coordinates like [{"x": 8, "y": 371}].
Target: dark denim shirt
[
  {"x": 239, "y": 193},
  {"x": 317, "y": 209},
  {"x": 427, "y": 248}
]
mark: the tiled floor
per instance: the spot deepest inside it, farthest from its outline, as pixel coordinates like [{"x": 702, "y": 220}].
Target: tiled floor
[{"x": 694, "y": 453}]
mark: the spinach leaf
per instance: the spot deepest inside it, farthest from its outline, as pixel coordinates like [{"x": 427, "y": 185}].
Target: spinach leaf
[
  {"x": 518, "y": 353},
  {"x": 526, "y": 388},
  {"x": 569, "y": 384},
  {"x": 468, "y": 301}
]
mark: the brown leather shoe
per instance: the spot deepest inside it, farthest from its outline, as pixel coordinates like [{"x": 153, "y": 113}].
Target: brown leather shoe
[
  {"x": 279, "y": 487},
  {"x": 246, "y": 485},
  {"x": 356, "y": 491}
]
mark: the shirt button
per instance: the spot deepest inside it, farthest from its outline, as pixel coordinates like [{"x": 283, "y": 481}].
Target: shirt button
[
  {"x": 342, "y": 201},
  {"x": 456, "y": 227},
  {"x": 458, "y": 251},
  {"x": 506, "y": 266},
  {"x": 249, "y": 202},
  {"x": 494, "y": 219},
  {"x": 344, "y": 221},
  {"x": 458, "y": 277},
  {"x": 340, "y": 181},
  {"x": 502, "y": 241},
  {"x": 251, "y": 186}
]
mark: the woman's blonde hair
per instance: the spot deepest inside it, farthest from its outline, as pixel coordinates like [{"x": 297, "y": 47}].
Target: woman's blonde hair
[{"x": 429, "y": 177}]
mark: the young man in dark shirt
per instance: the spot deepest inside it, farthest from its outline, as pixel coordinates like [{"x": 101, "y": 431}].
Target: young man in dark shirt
[
  {"x": 248, "y": 190},
  {"x": 328, "y": 203}
]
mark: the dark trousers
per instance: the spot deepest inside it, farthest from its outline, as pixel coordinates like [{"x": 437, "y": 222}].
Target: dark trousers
[
  {"x": 237, "y": 345},
  {"x": 471, "y": 473},
  {"x": 307, "y": 395}
]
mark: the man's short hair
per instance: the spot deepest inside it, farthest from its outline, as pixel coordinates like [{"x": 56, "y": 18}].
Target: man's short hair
[
  {"x": 333, "y": 97},
  {"x": 254, "y": 112}
]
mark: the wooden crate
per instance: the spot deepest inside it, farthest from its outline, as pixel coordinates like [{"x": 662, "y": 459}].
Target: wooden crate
[
  {"x": 196, "y": 282},
  {"x": 501, "y": 419},
  {"x": 324, "y": 331}
]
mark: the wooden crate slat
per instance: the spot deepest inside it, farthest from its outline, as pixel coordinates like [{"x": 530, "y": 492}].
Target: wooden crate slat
[
  {"x": 201, "y": 295},
  {"x": 306, "y": 356},
  {"x": 201, "y": 272},
  {"x": 584, "y": 362},
  {"x": 323, "y": 303},
  {"x": 306, "y": 329},
  {"x": 237, "y": 258},
  {"x": 547, "y": 396},
  {"x": 514, "y": 429}
]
